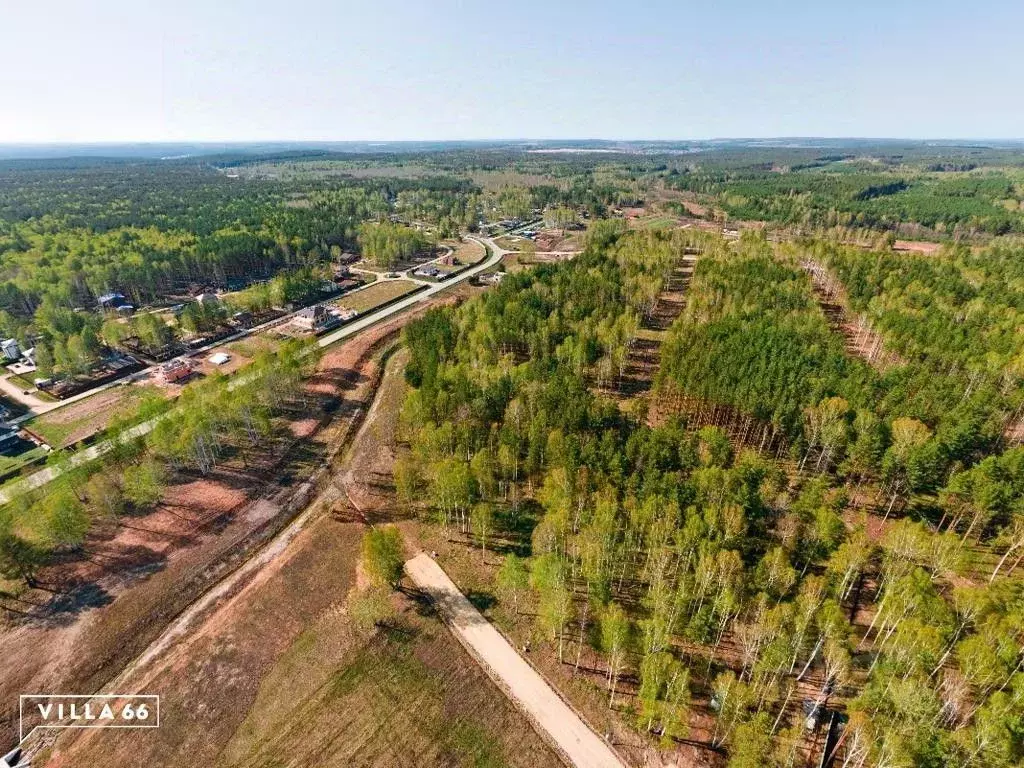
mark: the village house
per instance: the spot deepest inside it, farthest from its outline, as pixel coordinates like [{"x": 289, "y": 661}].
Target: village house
[
  {"x": 10, "y": 349},
  {"x": 175, "y": 370},
  {"x": 315, "y": 319}
]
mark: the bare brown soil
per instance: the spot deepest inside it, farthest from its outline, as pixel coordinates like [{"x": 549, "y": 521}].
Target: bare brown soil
[
  {"x": 916, "y": 246},
  {"x": 556, "y": 240},
  {"x": 99, "y": 608},
  {"x": 205, "y": 368},
  {"x": 208, "y": 682},
  {"x": 277, "y": 672}
]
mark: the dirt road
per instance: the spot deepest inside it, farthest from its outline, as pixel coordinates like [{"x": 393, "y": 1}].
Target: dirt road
[{"x": 574, "y": 739}]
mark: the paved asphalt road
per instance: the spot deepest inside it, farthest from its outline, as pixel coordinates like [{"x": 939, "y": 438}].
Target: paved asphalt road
[
  {"x": 547, "y": 711},
  {"x": 43, "y": 476}
]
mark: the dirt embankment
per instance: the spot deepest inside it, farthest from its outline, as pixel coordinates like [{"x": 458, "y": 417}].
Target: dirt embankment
[
  {"x": 277, "y": 674},
  {"x": 102, "y": 608}
]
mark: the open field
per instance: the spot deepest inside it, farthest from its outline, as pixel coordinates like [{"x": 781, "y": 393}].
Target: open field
[
  {"x": 654, "y": 221},
  {"x": 380, "y": 293},
  {"x": 84, "y": 418},
  {"x": 410, "y": 697},
  {"x": 515, "y": 243},
  {"x": 251, "y": 346},
  {"x": 9, "y": 464},
  {"x": 465, "y": 252},
  {"x": 95, "y": 613}
]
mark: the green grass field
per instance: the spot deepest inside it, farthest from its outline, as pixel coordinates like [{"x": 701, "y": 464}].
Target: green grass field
[
  {"x": 81, "y": 419},
  {"x": 380, "y": 293}
]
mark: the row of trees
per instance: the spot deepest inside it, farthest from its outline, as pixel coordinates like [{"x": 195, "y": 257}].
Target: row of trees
[{"x": 212, "y": 420}]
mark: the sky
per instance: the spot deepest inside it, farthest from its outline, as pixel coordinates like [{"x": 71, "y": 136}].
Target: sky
[{"x": 323, "y": 70}]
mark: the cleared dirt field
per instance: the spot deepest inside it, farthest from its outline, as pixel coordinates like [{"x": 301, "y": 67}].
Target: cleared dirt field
[
  {"x": 410, "y": 697},
  {"x": 556, "y": 240},
  {"x": 99, "y": 609},
  {"x": 377, "y": 294},
  {"x": 236, "y": 362},
  {"x": 917, "y": 246}
]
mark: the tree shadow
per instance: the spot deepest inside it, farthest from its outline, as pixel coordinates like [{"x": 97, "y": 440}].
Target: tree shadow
[
  {"x": 62, "y": 610},
  {"x": 481, "y": 600}
]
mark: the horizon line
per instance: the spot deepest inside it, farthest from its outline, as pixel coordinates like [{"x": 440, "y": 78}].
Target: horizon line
[{"x": 502, "y": 140}]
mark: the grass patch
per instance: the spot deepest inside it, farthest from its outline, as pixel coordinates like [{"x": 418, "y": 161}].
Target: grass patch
[
  {"x": 407, "y": 697},
  {"x": 379, "y": 293},
  {"x": 251, "y": 346},
  {"x": 84, "y": 418},
  {"x": 11, "y": 464},
  {"x": 467, "y": 252},
  {"x": 656, "y": 222},
  {"x": 512, "y": 242}
]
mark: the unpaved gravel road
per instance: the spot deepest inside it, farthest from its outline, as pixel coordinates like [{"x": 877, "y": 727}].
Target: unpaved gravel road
[{"x": 550, "y": 715}]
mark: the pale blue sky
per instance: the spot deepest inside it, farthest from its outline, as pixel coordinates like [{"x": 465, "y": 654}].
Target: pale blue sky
[{"x": 215, "y": 70}]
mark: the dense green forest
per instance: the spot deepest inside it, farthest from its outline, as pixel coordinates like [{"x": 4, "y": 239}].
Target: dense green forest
[
  {"x": 847, "y": 192},
  {"x": 789, "y": 474},
  {"x": 753, "y": 338},
  {"x": 156, "y": 232},
  {"x": 712, "y": 573}
]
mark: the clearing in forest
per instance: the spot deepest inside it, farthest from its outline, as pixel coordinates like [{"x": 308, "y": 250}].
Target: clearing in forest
[
  {"x": 861, "y": 339},
  {"x": 82, "y": 419},
  {"x": 379, "y": 293}
]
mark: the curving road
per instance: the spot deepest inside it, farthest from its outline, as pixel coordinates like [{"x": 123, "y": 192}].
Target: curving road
[{"x": 44, "y": 476}]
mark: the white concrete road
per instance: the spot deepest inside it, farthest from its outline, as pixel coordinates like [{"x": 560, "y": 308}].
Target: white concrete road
[
  {"x": 548, "y": 712},
  {"x": 43, "y": 476}
]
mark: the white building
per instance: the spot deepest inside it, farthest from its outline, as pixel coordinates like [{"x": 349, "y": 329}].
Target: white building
[{"x": 10, "y": 349}]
